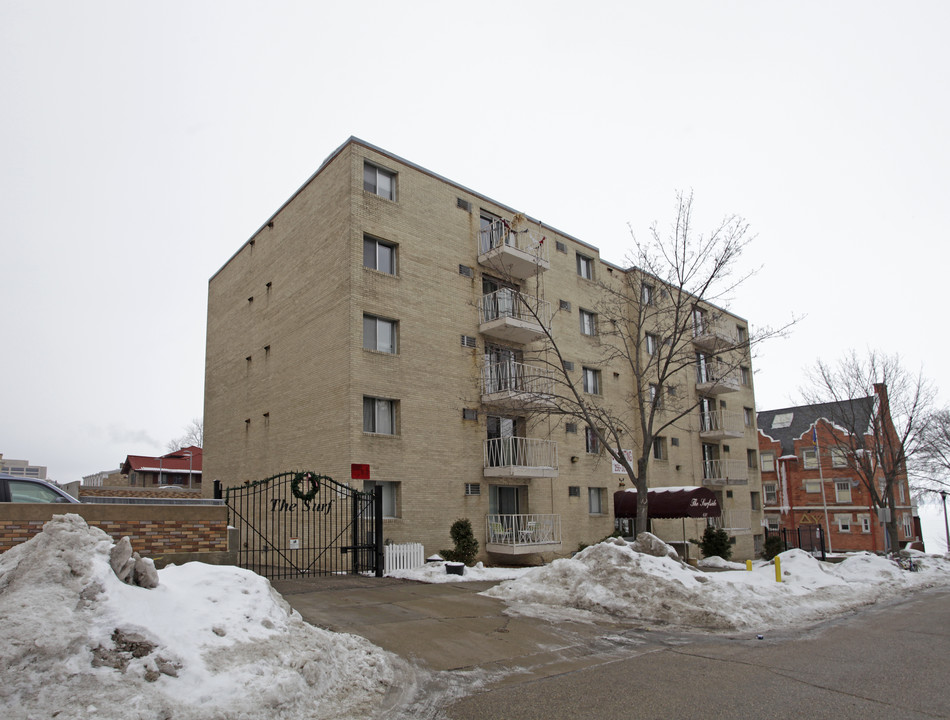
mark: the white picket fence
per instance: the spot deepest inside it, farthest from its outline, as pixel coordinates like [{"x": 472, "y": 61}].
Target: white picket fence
[{"x": 406, "y": 556}]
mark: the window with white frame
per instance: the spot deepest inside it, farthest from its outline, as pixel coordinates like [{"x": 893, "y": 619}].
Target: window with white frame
[
  {"x": 646, "y": 294},
  {"x": 900, "y": 493},
  {"x": 839, "y": 458},
  {"x": 810, "y": 459},
  {"x": 595, "y": 500},
  {"x": 379, "y": 255},
  {"x": 813, "y": 486},
  {"x": 772, "y": 522},
  {"x": 591, "y": 441},
  {"x": 591, "y": 381},
  {"x": 843, "y": 491},
  {"x": 390, "y": 493},
  {"x": 770, "y": 491},
  {"x": 379, "y": 182},
  {"x": 865, "y": 521},
  {"x": 844, "y": 522},
  {"x": 908, "y": 524},
  {"x": 588, "y": 322},
  {"x": 379, "y": 334},
  {"x": 652, "y": 343},
  {"x": 768, "y": 462},
  {"x": 585, "y": 266},
  {"x": 655, "y": 398},
  {"x": 379, "y": 416}
]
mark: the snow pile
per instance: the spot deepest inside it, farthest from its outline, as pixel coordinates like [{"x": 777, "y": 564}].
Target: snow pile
[
  {"x": 434, "y": 572},
  {"x": 613, "y": 579},
  {"x": 207, "y": 642}
]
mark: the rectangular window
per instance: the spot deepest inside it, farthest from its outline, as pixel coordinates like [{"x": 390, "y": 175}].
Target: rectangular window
[
  {"x": 595, "y": 498},
  {"x": 560, "y": 247},
  {"x": 844, "y": 522},
  {"x": 646, "y": 294},
  {"x": 379, "y": 255},
  {"x": 588, "y": 322},
  {"x": 865, "y": 521},
  {"x": 771, "y": 493},
  {"x": 379, "y": 182},
  {"x": 748, "y": 415},
  {"x": 839, "y": 458},
  {"x": 585, "y": 267},
  {"x": 751, "y": 460},
  {"x": 813, "y": 486},
  {"x": 901, "y": 497},
  {"x": 843, "y": 491},
  {"x": 591, "y": 441},
  {"x": 468, "y": 341},
  {"x": 570, "y": 428},
  {"x": 810, "y": 459},
  {"x": 564, "y": 305},
  {"x": 573, "y": 490},
  {"x": 473, "y": 489},
  {"x": 379, "y": 416},
  {"x": 755, "y": 500},
  {"x": 745, "y": 376},
  {"x": 659, "y": 448},
  {"x": 908, "y": 525},
  {"x": 772, "y": 523},
  {"x": 379, "y": 334},
  {"x": 466, "y": 271},
  {"x": 592, "y": 381},
  {"x": 469, "y": 414},
  {"x": 569, "y": 365},
  {"x": 390, "y": 492},
  {"x": 742, "y": 335},
  {"x": 652, "y": 344},
  {"x": 655, "y": 397}
]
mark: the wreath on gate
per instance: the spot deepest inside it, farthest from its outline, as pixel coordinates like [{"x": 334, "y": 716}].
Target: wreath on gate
[{"x": 304, "y": 477}]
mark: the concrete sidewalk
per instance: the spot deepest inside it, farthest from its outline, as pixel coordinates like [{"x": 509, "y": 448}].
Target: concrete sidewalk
[{"x": 451, "y": 627}]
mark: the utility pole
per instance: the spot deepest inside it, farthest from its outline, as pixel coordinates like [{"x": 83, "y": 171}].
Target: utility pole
[{"x": 946, "y": 525}]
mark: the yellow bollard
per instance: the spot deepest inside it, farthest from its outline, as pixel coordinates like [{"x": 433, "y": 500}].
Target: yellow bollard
[
  {"x": 748, "y": 565},
  {"x": 778, "y": 569}
]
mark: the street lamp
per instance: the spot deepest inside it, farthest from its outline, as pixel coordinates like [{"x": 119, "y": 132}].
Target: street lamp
[{"x": 946, "y": 525}]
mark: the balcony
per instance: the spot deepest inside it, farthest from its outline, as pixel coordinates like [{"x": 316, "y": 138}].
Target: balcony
[
  {"x": 716, "y": 379},
  {"x": 512, "y": 316},
  {"x": 516, "y": 385},
  {"x": 720, "y": 425},
  {"x": 714, "y": 337},
  {"x": 522, "y": 534},
  {"x": 515, "y": 254},
  {"x": 517, "y": 457},
  {"x": 735, "y": 520},
  {"x": 725, "y": 472}
]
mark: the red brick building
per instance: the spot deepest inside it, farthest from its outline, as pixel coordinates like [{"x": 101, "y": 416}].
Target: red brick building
[
  {"x": 808, "y": 479},
  {"x": 182, "y": 467}
]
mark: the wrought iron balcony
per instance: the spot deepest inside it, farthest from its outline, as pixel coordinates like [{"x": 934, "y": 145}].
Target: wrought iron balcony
[
  {"x": 725, "y": 472},
  {"x": 522, "y": 534},
  {"x": 515, "y": 384},
  {"x": 721, "y": 424},
  {"x": 714, "y": 378},
  {"x": 512, "y": 316},
  {"x": 520, "y": 457},
  {"x": 516, "y": 254}
]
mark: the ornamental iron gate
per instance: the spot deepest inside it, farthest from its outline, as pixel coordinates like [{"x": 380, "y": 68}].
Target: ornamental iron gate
[
  {"x": 302, "y": 523},
  {"x": 810, "y": 538}
]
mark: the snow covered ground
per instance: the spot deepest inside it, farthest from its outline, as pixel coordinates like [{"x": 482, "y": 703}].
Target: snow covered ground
[
  {"x": 218, "y": 642},
  {"x": 208, "y": 642}
]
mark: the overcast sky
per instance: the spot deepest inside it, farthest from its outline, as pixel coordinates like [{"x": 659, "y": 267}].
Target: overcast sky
[{"x": 142, "y": 143}]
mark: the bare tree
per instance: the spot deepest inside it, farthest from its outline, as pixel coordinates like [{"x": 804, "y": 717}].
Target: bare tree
[
  {"x": 878, "y": 444},
  {"x": 194, "y": 435},
  {"x": 932, "y": 465},
  {"x": 647, "y": 324}
]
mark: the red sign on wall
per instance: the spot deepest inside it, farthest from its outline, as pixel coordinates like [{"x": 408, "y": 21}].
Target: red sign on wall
[{"x": 359, "y": 471}]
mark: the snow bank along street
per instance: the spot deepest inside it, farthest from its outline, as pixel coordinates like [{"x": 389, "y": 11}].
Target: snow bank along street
[{"x": 207, "y": 642}]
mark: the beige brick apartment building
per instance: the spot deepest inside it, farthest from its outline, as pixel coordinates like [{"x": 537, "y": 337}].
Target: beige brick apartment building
[{"x": 377, "y": 319}]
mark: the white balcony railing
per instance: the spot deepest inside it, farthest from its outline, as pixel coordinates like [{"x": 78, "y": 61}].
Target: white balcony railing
[
  {"x": 725, "y": 472},
  {"x": 515, "y": 379},
  {"x": 520, "y": 252},
  {"x": 509, "y": 303},
  {"x": 523, "y": 530},
  {"x": 714, "y": 336},
  {"x": 521, "y": 457},
  {"x": 722, "y": 423},
  {"x": 736, "y": 520},
  {"x": 714, "y": 378}
]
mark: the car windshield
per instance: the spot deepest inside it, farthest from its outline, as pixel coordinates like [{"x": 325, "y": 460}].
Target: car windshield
[{"x": 27, "y": 492}]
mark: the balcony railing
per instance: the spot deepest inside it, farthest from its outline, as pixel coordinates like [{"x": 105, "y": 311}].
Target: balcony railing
[
  {"x": 519, "y": 253},
  {"x": 715, "y": 378},
  {"x": 725, "y": 472},
  {"x": 520, "y": 457},
  {"x": 513, "y": 316},
  {"x": 736, "y": 520},
  {"x": 721, "y": 424},
  {"x": 714, "y": 336},
  {"x": 517, "y": 383},
  {"x": 514, "y": 534}
]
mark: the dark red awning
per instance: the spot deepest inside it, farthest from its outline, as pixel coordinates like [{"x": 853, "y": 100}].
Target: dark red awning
[{"x": 672, "y": 502}]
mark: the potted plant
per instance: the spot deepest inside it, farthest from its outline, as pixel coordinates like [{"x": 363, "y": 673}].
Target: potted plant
[{"x": 466, "y": 547}]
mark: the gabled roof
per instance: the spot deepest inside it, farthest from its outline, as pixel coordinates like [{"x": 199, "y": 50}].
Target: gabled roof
[
  {"x": 176, "y": 461},
  {"x": 793, "y": 422}
]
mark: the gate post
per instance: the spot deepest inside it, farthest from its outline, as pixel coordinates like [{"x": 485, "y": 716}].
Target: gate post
[
  {"x": 378, "y": 529},
  {"x": 355, "y": 503}
]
